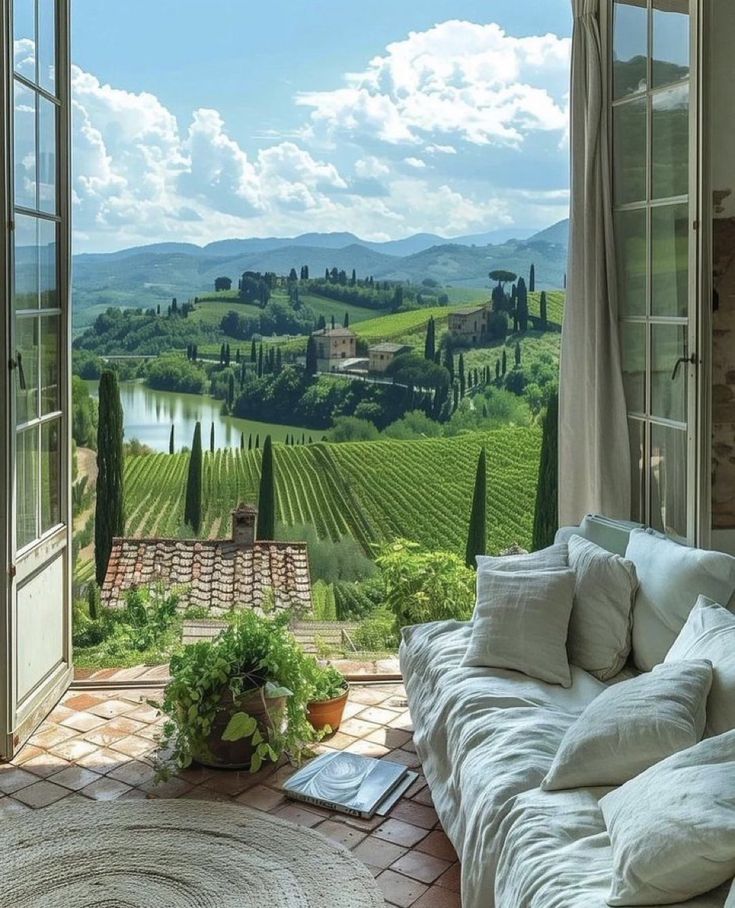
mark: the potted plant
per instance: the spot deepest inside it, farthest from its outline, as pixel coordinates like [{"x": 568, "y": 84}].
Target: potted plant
[
  {"x": 327, "y": 696},
  {"x": 238, "y": 700}
]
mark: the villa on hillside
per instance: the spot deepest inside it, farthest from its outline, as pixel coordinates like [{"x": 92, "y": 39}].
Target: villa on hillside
[
  {"x": 218, "y": 575},
  {"x": 382, "y": 355},
  {"x": 470, "y": 323},
  {"x": 333, "y": 345}
]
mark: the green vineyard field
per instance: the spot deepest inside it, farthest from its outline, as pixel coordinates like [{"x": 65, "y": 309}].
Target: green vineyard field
[{"x": 373, "y": 491}]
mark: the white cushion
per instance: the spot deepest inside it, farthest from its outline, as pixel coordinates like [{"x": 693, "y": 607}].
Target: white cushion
[
  {"x": 671, "y": 578},
  {"x": 521, "y": 621},
  {"x": 550, "y": 558},
  {"x": 709, "y": 633},
  {"x": 633, "y": 725},
  {"x": 672, "y": 828},
  {"x": 600, "y": 626}
]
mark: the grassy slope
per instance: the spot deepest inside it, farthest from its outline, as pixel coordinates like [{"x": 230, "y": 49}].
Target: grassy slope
[{"x": 372, "y": 490}]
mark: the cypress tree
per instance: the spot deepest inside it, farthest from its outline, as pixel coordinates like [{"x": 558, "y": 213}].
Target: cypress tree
[
  {"x": 260, "y": 361},
  {"x": 231, "y": 390},
  {"x": 311, "y": 357},
  {"x": 257, "y": 441},
  {"x": 518, "y": 353},
  {"x": 544, "y": 310},
  {"x": 532, "y": 278},
  {"x": 253, "y": 352},
  {"x": 250, "y": 442},
  {"x": 222, "y": 355},
  {"x": 267, "y": 494},
  {"x": 171, "y": 441},
  {"x": 462, "y": 377},
  {"x": 504, "y": 362},
  {"x": 449, "y": 361},
  {"x": 522, "y": 305},
  {"x": 211, "y": 439},
  {"x": 193, "y": 499},
  {"x": 346, "y": 322},
  {"x": 242, "y": 441},
  {"x": 546, "y": 514},
  {"x": 430, "y": 343},
  {"x": 497, "y": 370},
  {"x": 109, "y": 520},
  {"x": 477, "y": 533}
]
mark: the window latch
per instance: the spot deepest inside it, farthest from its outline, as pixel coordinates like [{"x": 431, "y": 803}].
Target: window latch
[
  {"x": 18, "y": 364},
  {"x": 683, "y": 360}
]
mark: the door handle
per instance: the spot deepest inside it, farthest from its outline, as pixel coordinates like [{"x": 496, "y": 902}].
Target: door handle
[{"x": 683, "y": 360}]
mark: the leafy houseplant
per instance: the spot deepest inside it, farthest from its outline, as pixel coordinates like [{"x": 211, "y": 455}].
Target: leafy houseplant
[
  {"x": 238, "y": 700},
  {"x": 327, "y": 693}
]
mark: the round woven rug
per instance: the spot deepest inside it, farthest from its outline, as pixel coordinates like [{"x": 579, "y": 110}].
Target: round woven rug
[{"x": 174, "y": 854}]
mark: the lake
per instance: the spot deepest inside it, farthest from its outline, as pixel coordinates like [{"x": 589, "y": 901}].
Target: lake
[{"x": 150, "y": 414}]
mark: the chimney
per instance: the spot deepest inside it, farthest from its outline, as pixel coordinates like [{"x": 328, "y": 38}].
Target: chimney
[{"x": 244, "y": 518}]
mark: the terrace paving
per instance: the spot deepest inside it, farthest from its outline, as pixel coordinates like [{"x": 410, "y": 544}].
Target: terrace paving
[{"x": 101, "y": 746}]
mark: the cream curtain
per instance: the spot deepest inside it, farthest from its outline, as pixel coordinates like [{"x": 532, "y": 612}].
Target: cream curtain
[{"x": 594, "y": 451}]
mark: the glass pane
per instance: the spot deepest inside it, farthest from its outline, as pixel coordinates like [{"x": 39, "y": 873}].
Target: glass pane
[
  {"x": 670, "y": 260},
  {"x": 630, "y": 48},
  {"x": 629, "y": 152},
  {"x": 47, "y": 45},
  {"x": 671, "y": 142},
  {"x": 670, "y": 41},
  {"x": 24, "y": 38},
  {"x": 50, "y": 361},
  {"x": 50, "y": 475},
  {"x": 26, "y": 262},
  {"x": 638, "y": 471},
  {"x": 46, "y": 155},
  {"x": 26, "y": 486},
  {"x": 24, "y": 145},
  {"x": 633, "y": 341},
  {"x": 47, "y": 270},
  {"x": 630, "y": 234},
  {"x": 669, "y": 480},
  {"x": 668, "y": 394},
  {"x": 26, "y": 372}
]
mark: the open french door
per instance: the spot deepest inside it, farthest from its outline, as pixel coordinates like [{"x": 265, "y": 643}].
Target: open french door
[
  {"x": 655, "y": 122},
  {"x": 35, "y": 443}
]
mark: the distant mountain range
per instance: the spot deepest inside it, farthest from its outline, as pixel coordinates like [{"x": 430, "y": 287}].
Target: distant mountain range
[{"x": 146, "y": 275}]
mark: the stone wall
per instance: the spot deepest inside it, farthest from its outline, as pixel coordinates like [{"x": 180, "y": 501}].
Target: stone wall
[{"x": 723, "y": 362}]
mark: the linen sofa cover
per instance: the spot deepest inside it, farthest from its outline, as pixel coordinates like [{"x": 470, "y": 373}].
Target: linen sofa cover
[{"x": 486, "y": 738}]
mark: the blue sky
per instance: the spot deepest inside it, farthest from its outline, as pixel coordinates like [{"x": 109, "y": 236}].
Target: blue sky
[{"x": 385, "y": 118}]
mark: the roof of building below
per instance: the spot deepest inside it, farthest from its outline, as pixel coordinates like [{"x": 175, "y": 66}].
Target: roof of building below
[
  {"x": 334, "y": 332},
  {"x": 470, "y": 310},
  {"x": 389, "y": 348},
  {"x": 218, "y": 575}
]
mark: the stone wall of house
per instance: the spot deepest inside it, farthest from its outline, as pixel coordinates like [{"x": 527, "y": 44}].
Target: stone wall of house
[{"x": 723, "y": 361}]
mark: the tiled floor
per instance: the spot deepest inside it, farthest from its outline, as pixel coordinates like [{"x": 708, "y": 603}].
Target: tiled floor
[{"x": 101, "y": 746}]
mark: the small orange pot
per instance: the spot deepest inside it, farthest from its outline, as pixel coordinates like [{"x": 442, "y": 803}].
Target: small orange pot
[{"x": 327, "y": 712}]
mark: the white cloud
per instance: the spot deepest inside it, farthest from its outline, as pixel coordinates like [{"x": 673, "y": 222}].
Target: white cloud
[
  {"x": 416, "y": 163},
  {"x": 458, "y": 79}
]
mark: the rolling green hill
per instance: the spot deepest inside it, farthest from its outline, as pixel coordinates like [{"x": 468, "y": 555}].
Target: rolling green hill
[{"x": 373, "y": 491}]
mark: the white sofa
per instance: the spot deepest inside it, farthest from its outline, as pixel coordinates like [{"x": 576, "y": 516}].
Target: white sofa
[{"x": 486, "y": 738}]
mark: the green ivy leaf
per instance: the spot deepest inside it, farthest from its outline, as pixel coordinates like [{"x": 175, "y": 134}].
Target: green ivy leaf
[{"x": 240, "y": 726}]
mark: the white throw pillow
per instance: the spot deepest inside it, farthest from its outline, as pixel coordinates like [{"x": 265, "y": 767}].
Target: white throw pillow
[
  {"x": 710, "y": 634},
  {"x": 672, "y": 828},
  {"x": 632, "y": 725},
  {"x": 671, "y": 579},
  {"x": 521, "y": 623},
  {"x": 550, "y": 558},
  {"x": 600, "y": 627}
]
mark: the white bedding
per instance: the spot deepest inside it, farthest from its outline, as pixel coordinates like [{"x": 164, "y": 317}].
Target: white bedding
[{"x": 486, "y": 738}]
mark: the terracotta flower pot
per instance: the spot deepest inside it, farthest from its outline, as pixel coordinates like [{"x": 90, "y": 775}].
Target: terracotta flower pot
[
  {"x": 327, "y": 712},
  {"x": 221, "y": 754}
]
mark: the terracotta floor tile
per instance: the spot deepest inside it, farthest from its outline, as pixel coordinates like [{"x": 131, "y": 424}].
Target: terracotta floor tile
[
  {"x": 74, "y": 751},
  {"x": 299, "y": 815},
  {"x": 50, "y": 735},
  {"x": 82, "y": 721},
  {"x": 390, "y": 738},
  {"x": 438, "y": 844},
  {"x": 46, "y": 764},
  {"x": 423, "y": 796},
  {"x": 352, "y": 709},
  {"x": 144, "y": 713},
  {"x": 341, "y": 741},
  {"x": 41, "y": 794},
  {"x": 404, "y": 757},
  {"x": 229, "y": 783},
  {"x": 172, "y": 788},
  {"x": 261, "y": 798},
  {"x": 437, "y": 897},
  {"x": 420, "y": 866},
  {"x": 341, "y": 832},
  {"x": 102, "y": 760},
  {"x": 74, "y": 777},
  {"x": 59, "y": 713},
  {"x": 134, "y": 772},
  {"x": 418, "y": 814},
  {"x": 109, "y": 709},
  {"x": 12, "y": 778},
  {"x": 377, "y": 715},
  {"x": 368, "y": 748},
  {"x": 9, "y": 807},
  {"x": 200, "y": 793},
  {"x": 358, "y": 728},
  {"x": 452, "y": 878},
  {"x": 105, "y": 789},
  {"x": 133, "y": 746},
  {"x": 27, "y": 753},
  {"x": 403, "y": 721},
  {"x": 104, "y": 736},
  {"x": 400, "y": 890},
  {"x": 82, "y": 702},
  {"x": 378, "y": 853},
  {"x": 400, "y": 833}
]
